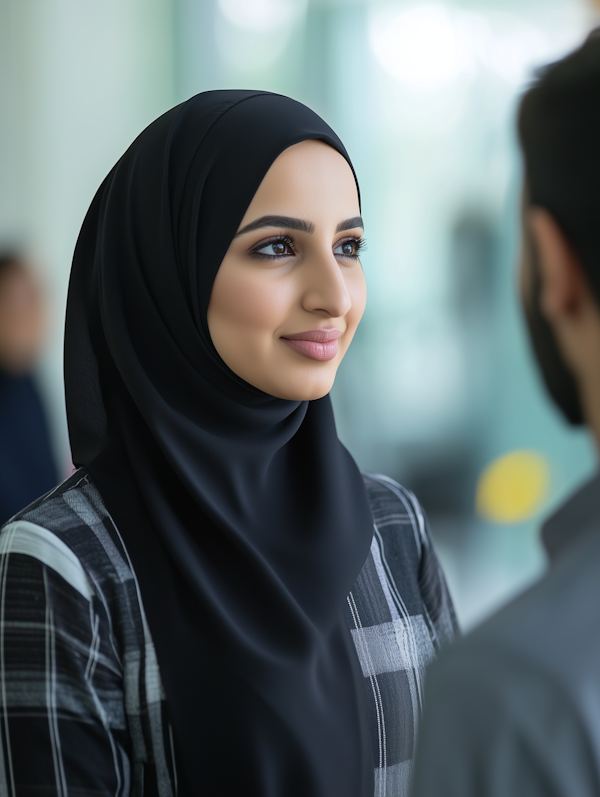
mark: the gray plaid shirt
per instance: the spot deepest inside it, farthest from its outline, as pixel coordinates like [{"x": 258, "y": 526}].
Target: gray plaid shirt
[{"x": 82, "y": 709}]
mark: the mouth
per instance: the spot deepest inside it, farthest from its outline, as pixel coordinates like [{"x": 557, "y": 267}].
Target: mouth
[{"x": 316, "y": 344}]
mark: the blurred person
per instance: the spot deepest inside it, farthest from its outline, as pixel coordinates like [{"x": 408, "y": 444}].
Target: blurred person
[
  {"x": 27, "y": 465},
  {"x": 513, "y": 710},
  {"x": 217, "y": 601}
]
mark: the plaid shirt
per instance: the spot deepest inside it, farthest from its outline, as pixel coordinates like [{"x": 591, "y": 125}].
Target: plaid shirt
[{"x": 82, "y": 709}]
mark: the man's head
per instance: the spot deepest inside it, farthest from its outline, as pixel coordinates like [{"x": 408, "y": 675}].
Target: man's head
[
  {"x": 559, "y": 131},
  {"x": 21, "y": 315}
]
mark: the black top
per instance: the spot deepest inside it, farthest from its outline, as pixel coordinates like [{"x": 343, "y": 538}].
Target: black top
[
  {"x": 27, "y": 466},
  {"x": 246, "y": 509},
  {"x": 514, "y": 709}
]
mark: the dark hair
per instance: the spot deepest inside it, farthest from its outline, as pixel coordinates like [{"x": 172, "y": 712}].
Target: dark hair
[
  {"x": 10, "y": 259},
  {"x": 559, "y": 132}
]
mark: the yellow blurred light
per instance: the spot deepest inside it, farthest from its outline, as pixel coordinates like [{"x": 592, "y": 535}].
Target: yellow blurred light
[{"x": 513, "y": 487}]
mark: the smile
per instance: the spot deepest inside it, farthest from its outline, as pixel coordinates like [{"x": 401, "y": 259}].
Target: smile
[{"x": 317, "y": 344}]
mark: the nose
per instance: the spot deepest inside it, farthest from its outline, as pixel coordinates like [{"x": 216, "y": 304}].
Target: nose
[{"x": 325, "y": 289}]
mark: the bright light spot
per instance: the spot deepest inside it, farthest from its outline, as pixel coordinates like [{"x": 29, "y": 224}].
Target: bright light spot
[
  {"x": 424, "y": 47},
  {"x": 428, "y": 47},
  {"x": 513, "y": 487},
  {"x": 262, "y": 15}
]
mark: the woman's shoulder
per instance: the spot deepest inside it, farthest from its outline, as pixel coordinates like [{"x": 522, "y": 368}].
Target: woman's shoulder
[
  {"x": 70, "y": 531},
  {"x": 74, "y": 502},
  {"x": 404, "y": 548},
  {"x": 63, "y": 563},
  {"x": 397, "y": 514},
  {"x": 67, "y": 537}
]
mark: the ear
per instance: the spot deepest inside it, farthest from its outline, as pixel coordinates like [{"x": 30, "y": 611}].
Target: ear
[{"x": 563, "y": 284}]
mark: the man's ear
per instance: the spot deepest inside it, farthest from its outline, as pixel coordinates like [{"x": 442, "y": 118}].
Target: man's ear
[{"x": 563, "y": 284}]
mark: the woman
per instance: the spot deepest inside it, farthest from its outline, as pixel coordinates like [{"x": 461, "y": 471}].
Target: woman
[
  {"x": 27, "y": 464},
  {"x": 217, "y": 601}
]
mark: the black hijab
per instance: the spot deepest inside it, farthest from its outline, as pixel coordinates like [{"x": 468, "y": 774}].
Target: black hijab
[{"x": 246, "y": 520}]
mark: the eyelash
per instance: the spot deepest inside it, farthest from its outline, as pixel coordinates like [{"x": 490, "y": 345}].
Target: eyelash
[
  {"x": 283, "y": 239},
  {"x": 360, "y": 244}
]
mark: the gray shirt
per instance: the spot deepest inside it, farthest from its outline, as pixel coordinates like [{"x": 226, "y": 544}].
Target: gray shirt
[{"x": 513, "y": 709}]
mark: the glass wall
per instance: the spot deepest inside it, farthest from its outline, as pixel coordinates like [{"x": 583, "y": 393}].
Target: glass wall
[{"x": 439, "y": 390}]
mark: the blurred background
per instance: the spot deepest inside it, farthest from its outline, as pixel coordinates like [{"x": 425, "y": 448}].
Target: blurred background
[{"x": 438, "y": 390}]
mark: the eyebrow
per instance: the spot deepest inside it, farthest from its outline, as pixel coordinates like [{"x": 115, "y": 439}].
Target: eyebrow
[
  {"x": 350, "y": 224},
  {"x": 292, "y": 223}
]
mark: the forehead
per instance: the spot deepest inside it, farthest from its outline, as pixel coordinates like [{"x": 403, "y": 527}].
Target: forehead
[{"x": 307, "y": 177}]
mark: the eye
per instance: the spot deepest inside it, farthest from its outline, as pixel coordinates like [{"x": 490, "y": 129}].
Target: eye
[
  {"x": 279, "y": 247},
  {"x": 349, "y": 247}
]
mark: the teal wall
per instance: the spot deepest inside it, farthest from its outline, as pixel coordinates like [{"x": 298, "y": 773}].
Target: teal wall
[{"x": 439, "y": 381}]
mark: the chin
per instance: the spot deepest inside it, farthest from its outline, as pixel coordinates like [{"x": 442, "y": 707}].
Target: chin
[
  {"x": 315, "y": 395},
  {"x": 304, "y": 392}
]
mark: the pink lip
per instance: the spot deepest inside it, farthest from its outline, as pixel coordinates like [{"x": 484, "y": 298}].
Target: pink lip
[{"x": 318, "y": 344}]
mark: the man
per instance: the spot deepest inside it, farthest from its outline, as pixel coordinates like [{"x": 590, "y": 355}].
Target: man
[
  {"x": 27, "y": 466},
  {"x": 513, "y": 710}
]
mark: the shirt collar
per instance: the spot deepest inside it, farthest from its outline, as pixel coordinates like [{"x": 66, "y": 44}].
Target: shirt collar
[{"x": 576, "y": 518}]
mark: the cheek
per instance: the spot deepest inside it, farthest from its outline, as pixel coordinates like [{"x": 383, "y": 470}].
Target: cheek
[
  {"x": 357, "y": 288},
  {"x": 245, "y": 302}
]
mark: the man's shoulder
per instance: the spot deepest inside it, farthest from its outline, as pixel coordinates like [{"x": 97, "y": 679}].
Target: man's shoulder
[
  {"x": 547, "y": 636},
  {"x": 512, "y": 707}
]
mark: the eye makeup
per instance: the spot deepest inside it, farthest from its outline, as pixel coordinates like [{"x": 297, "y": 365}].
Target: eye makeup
[{"x": 283, "y": 247}]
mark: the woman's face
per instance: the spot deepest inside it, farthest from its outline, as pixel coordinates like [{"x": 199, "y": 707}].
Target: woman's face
[{"x": 290, "y": 291}]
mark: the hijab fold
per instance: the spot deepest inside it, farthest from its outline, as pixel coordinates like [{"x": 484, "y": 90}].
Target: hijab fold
[{"x": 246, "y": 520}]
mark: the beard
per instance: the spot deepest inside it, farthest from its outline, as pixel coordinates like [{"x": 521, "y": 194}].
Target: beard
[{"x": 557, "y": 376}]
